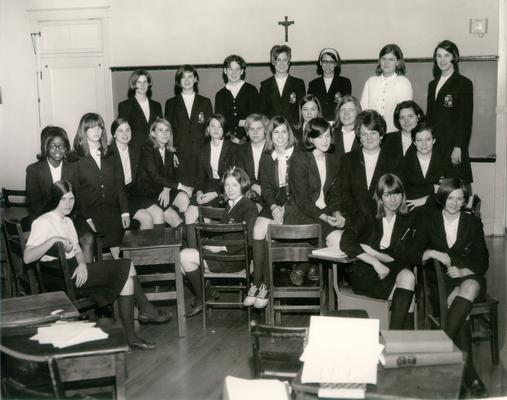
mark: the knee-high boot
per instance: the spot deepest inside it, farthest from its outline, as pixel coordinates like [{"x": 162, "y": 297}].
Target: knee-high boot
[{"x": 402, "y": 298}]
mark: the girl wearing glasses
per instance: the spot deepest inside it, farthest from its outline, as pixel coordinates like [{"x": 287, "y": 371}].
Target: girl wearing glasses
[
  {"x": 389, "y": 86},
  {"x": 237, "y": 99},
  {"x": 330, "y": 87}
]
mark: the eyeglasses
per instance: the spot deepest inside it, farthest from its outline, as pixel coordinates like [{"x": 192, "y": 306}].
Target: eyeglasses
[
  {"x": 328, "y": 62},
  {"x": 53, "y": 146}
]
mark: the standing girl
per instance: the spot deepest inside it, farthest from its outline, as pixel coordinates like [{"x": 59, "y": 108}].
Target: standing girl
[
  {"x": 344, "y": 136},
  {"x": 187, "y": 113},
  {"x": 238, "y": 99},
  {"x": 309, "y": 108},
  {"x": 450, "y": 107},
  {"x": 389, "y": 86},
  {"x": 330, "y": 87}
]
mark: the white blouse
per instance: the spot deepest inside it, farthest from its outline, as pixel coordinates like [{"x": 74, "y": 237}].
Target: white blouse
[
  {"x": 451, "y": 231},
  {"x": 348, "y": 139},
  {"x": 387, "y": 228},
  {"x": 370, "y": 162},
  {"x": 282, "y": 165},
  {"x": 215, "y": 158},
  {"x": 321, "y": 166}
]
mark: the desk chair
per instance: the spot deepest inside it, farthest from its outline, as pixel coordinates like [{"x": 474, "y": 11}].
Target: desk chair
[
  {"x": 21, "y": 277},
  {"x": 293, "y": 243},
  {"x": 276, "y": 350},
  {"x": 211, "y": 235},
  {"x": 210, "y": 214},
  {"x": 483, "y": 317}
]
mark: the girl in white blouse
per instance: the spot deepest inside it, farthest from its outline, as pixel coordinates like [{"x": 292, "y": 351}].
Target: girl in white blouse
[{"x": 389, "y": 86}]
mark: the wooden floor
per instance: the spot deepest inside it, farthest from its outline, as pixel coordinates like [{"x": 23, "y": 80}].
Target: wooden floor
[{"x": 195, "y": 367}]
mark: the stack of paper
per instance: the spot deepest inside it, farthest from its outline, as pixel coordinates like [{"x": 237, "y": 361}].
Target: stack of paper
[
  {"x": 63, "y": 334},
  {"x": 255, "y": 389},
  {"x": 341, "y": 350}
]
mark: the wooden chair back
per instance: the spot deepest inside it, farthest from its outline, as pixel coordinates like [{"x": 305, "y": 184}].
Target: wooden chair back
[
  {"x": 293, "y": 243},
  {"x": 24, "y": 276},
  {"x": 276, "y": 350},
  {"x": 26, "y": 376},
  {"x": 210, "y": 214},
  {"x": 14, "y": 198}
]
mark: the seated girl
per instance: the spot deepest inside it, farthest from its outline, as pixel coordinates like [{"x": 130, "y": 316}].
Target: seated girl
[
  {"x": 215, "y": 157},
  {"x": 456, "y": 239},
  {"x": 239, "y": 208},
  {"x": 274, "y": 169},
  {"x": 157, "y": 176},
  {"x": 142, "y": 209},
  {"x": 380, "y": 242},
  {"x": 105, "y": 281},
  {"x": 344, "y": 135}
]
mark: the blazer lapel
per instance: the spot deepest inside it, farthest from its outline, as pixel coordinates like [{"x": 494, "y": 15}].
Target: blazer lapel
[
  {"x": 207, "y": 159},
  {"x": 314, "y": 170},
  {"x": 462, "y": 232},
  {"x": 445, "y": 87},
  {"x": 47, "y": 179},
  {"x": 139, "y": 110},
  {"x": 287, "y": 87}
]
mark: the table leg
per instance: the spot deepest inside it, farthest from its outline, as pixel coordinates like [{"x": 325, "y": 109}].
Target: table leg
[
  {"x": 331, "y": 293},
  {"x": 121, "y": 376},
  {"x": 180, "y": 296}
]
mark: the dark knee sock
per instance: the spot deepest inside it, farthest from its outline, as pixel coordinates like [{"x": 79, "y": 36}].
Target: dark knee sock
[
  {"x": 456, "y": 316},
  {"x": 194, "y": 278},
  {"x": 399, "y": 308},
  {"x": 259, "y": 261},
  {"x": 191, "y": 237},
  {"x": 162, "y": 225},
  {"x": 463, "y": 341},
  {"x": 145, "y": 306},
  {"x": 126, "y": 304}
]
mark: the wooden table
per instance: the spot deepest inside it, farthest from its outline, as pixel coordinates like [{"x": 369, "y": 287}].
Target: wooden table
[
  {"x": 36, "y": 309},
  {"x": 432, "y": 382},
  {"x": 153, "y": 247},
  {"x": 98, "y": 359}
]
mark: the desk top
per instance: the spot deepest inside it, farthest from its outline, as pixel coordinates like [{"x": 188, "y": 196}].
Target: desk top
[
  {"x": 413, "y": 382},
  {"x": 331, "y": 254},
  {"x": 19, "y": 340},
  {"x": 151, "y": 238},
  {"x": 36, "y": 309}
]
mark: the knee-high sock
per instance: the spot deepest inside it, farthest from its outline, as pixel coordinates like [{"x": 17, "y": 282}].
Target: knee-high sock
[
  {"x": 145, "y": 306},
  {"x": 456, "y": 316},
  {"x": 399, "y": 308},
  {"x": 126, "y": 305},
  {"x": 259, "y": 250},
  {"x": 463, "y": 341},
  {"x": 194, "y": 278},
  {"x": 190, "y": 235}
]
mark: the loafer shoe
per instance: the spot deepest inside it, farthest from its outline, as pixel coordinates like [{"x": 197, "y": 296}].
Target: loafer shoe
[
  {"x": 297, "y": 277},
  {"x": 161, "y": 317},
  {"x": 196, "y": 310},
  {"x": 313, "y": 274},
  {"x": 477, "y": 389},
  {"x": 142, "y": 345}
]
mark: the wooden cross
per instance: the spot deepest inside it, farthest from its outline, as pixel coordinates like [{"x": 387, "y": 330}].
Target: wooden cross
[{"x": 286, "y": 23}]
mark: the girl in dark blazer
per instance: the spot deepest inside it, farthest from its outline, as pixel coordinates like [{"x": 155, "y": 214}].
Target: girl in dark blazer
[
  {"x": 330, "y": 87},
  {"x": 239, "y": 208},
  {"x": 274, "y": 167},
  {"x": 248, "y": 155},
  {"x": 423, "y": 168},
  {"x": 238, "y": 99},
  {"x": 280, "y": 94},
  {"x": 362, "y": 169},
  {"x": 407, "y": 114},
  {"x": 40, "y": 176},
  {"x": 139, "y": 109},
  {"x": 216, "y": 156},
  {"x": 456, "y": 239},
  {"x": 309, "y": 108},
  {"x": 450, "y": 107},
  {"x": 142, "y": 208},
  {"x": 188, "y": 112},
  {"x": 380, "y": 242},
  {"x": 344, "y": 136},
  {"x": 99, "y": 183},
  {"x": 157, "y": 177}
]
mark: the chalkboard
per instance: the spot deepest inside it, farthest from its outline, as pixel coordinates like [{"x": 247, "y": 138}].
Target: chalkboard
[{"x": 481, "y": 70}]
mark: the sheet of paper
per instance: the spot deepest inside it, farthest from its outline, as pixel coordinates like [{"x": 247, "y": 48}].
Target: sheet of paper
[
  {"x": 68, "y": 333},
  {"x": 254, "y": 389}
]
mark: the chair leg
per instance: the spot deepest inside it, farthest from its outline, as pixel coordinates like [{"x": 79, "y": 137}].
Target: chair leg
[{"x": 493, "y": 317}]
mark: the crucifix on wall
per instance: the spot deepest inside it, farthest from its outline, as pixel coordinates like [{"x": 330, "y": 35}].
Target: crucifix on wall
[{"x": 286, "y": 23}]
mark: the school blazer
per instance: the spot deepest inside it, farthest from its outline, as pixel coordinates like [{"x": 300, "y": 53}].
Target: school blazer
[
  {"x": 205, "y": 181},
  {"x": 244, "y": 159},
  {"x": 367, "y": 229},
  {"x": 244, "y": 210},
  {"x": 340, "y": 86},
  {"x": 392, "y": 142},
  {"x": 354, "y": 195},
  {"x": 99, "y": 188},
  {"x": 236, "y": 109},
  {"x": 155, "y": 174},
  {"x": 416, "y": 185},
  {"x": 38, "y": 184},
  {"x": 338, "y": 147},
  {"x": 134, "y": 156},
  {"x": 131, "y": 111},
  {"x": 469, "y": 250},
  {"x": 305, "y": 183},
  {"x": 451, "y": 112},
  {"x": 271, "y": 103}
]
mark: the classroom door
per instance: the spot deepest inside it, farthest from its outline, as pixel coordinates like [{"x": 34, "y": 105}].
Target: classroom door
[{"x": 71, "y": 87}]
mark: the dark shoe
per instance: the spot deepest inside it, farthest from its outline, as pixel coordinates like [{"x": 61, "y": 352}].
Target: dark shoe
[
  {"x": 313, "y": 274},
  {"x": 211, "y": 292},
  {"x": 196, "y": 310},
  {"x": 297, "y": 277},
  {"x": 161, "y": 317},
  {"x": 140, "y": 344},
  {"x": 476, "y": 389}
]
